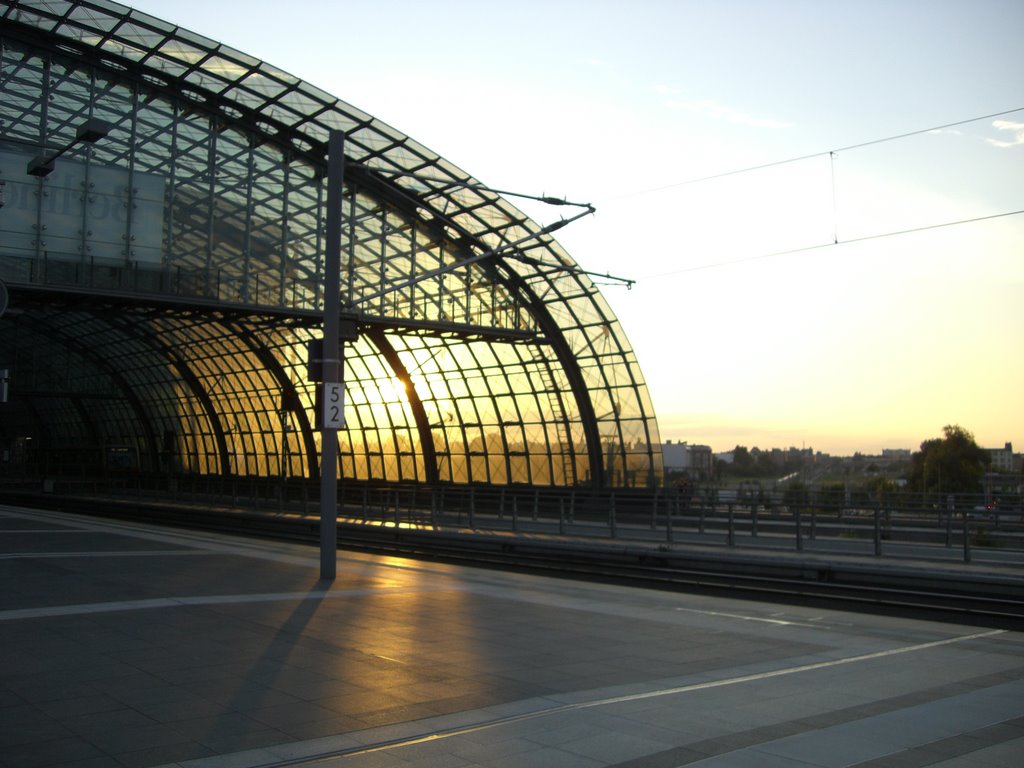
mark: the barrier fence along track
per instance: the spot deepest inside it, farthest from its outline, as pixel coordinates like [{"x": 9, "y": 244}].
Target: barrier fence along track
[
  {"x": 944, "y": 564},
  {"x": 897, "y": 526}
]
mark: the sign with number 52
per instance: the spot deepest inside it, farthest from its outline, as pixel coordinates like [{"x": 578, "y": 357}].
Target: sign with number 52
[{"x": 332, "y": 400}]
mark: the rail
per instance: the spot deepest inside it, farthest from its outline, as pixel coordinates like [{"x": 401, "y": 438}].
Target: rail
[
  {"x": 695, "y": 550},
  {"x": 962, "y": 528}
]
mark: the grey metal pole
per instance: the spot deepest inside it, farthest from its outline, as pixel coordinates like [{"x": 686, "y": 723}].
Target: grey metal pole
[
  {"x": 331, "y": 365},
  {"x": 878, "y": 532}
]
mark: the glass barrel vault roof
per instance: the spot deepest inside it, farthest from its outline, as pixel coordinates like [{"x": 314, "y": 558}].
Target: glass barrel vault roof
[{"x": 485, "y": 355}]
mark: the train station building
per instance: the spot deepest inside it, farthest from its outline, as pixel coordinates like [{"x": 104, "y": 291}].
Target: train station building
[{"x": 162, "y": 250}]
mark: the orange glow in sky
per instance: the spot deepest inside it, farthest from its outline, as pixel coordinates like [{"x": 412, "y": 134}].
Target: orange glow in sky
[{"x": 773, "y": 307}]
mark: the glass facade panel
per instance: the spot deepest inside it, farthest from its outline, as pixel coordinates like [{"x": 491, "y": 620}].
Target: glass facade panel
[{"x": 202, "y": 212}]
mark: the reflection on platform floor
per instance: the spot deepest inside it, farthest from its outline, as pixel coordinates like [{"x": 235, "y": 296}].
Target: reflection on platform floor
[{"x": 128, "y": 645}]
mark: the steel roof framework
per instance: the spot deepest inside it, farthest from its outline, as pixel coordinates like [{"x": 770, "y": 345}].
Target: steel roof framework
[{"x": 205, "y": 269}]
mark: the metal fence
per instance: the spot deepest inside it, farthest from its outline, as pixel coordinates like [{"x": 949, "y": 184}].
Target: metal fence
[{"x": 900, "y": 525}]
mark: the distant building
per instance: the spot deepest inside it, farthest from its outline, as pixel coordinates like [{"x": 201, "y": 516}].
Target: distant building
[
  {"x": 696, "y": 461},
  {"x": 896, "y": 454},
  {"x": 1002, "y": 458}
]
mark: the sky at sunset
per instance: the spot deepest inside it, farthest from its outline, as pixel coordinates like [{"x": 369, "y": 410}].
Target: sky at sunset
[{"x": 854, "y": 291}]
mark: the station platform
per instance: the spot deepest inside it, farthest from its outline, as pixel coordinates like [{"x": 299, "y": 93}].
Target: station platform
[{"x": 125, "y": 644}]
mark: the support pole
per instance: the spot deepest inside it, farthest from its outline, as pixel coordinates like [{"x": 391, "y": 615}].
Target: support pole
[
  {"x": 331, "y": 365},
  {"x": 967, "y": 538}
]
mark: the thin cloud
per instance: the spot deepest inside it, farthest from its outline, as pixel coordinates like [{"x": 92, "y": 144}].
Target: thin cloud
[
  {"x": 1015, "y": 129},
  {"x": 716, "y": 111},
  {"x": 666, "y": 90}
]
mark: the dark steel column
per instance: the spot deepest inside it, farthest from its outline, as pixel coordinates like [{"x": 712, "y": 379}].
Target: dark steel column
[{"x": 332, "y": 367}]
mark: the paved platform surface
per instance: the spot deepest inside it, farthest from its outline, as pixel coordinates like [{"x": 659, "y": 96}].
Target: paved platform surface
[{"x": 128, "y": 645}]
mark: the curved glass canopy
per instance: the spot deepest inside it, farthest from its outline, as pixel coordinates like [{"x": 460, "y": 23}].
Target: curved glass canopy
[{"x": 166, "y": 279}]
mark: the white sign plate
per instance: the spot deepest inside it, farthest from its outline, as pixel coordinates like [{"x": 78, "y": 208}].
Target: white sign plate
[{"x": 332, "y": 397}]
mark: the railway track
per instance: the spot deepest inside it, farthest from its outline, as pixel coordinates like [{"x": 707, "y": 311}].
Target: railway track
[
  {"x": 723, "y": 575},
  {"x": 960, "y": 595}
]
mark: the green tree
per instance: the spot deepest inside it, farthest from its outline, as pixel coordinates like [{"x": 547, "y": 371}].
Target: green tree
[
  {"x": 741, "y": 458},
  {"x": 743, "y": 464},
  {"x": 796, "y": 495},
  {"x": 832, "y": 497},
  {"x": 951, "y": 464},
  {"x": 765, "y": 466},
  {"x": 881, "y": 484}
]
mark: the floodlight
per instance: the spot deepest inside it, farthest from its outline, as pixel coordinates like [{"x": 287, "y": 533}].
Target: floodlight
[{"x": 91, "y": 131}]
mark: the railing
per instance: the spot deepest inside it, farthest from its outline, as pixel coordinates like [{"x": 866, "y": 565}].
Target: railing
[{"x": 903, "y": 526}]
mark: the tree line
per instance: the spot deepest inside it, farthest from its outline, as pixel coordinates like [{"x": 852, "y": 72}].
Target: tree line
[{"x": 953, "y": 463}]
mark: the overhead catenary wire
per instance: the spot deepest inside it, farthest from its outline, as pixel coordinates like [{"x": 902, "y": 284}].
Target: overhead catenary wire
[
  {"x": 811, "y": 156},
  {"x": 835, "y": 206},
  {"x": 836, "y": 240},
  {"x": 819, "y": 246}
]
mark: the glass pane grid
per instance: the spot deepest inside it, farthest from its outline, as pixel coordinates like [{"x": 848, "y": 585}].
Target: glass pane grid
[{"x": 210, "y": 209}]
